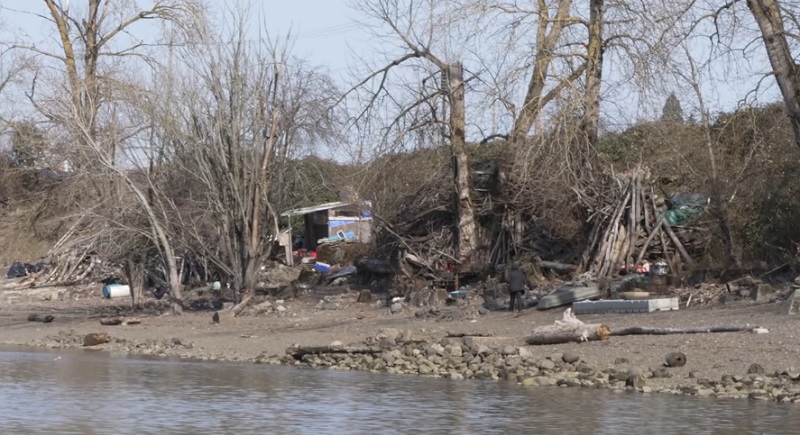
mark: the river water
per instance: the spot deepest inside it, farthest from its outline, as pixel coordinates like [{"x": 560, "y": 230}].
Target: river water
[{"x": 89, "y": 392}]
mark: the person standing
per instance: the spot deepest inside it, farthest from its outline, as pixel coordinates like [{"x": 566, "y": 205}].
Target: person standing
[{"x": 517, "y": 281}]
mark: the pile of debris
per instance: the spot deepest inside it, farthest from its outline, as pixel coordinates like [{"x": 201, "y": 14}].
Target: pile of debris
[{"x": 631, "y": 223}]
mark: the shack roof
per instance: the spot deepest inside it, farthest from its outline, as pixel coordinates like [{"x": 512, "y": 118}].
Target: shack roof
[{"x": 314, "y": 209}]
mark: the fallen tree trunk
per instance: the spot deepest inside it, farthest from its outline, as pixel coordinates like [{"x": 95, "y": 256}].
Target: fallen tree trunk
[
  {"x": 643, "y": 330},
  {"x": 299, "y": 352},
  {"x": 568, "y": 330}
]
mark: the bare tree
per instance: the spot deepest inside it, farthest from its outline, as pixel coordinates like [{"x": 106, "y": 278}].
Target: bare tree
[
  {"x": 594, "y": 71},
  {"x": 228, "y": 120},
  {"x": 770, "y": 16},
  {"x": 417, "y": 38},
  {"x": 94, "y": 105},
  {"x": 157, "y": 228},
  {"x": 87, "y": 37}
]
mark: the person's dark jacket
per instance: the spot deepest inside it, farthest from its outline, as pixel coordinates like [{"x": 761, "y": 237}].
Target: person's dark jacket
[{"x": 517, "y": 281}]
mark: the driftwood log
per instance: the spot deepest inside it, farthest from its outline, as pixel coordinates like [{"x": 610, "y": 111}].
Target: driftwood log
[
  {"x": 44, "y": 318},
  {"x": 642, "y": 330},
  {"x": 571, "y": 330},
  {"x": 568, "y": 329},
  {"x": 467, "y": 334},
  {"x": 113, "y": 321},
  {"x": 299, "y": 352}
]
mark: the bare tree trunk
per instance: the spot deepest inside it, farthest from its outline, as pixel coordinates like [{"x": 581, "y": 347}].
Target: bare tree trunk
[
  {"x": 767, "y": 14},
  {"x": 594, "y": 72},
  {"x": 467, "y": 231},
  {"x": 255, "y": 242},
  {"x": 134, "y": 271},
  {"x": 174, "y": 278},
  {"x": 545, "y": 51}
]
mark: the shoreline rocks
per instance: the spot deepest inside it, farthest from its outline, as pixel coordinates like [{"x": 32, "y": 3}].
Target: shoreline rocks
[
  {"x": 462, "y": 359},
  {"x": 398, "y": 352}
]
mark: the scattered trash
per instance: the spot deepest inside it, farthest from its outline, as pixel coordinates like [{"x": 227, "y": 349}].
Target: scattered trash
[
  {"x": 660, "y": 268},
  {"x": 641, "y": 269},
  {"x": 685, "y": 208},
  {"x": 322, "y": 267},
  {"x": 347, "y": 271},
  {"x": 19, "y": 270},
  {"x": 458, "y": 294},
  {"x": 567, "y": 295}
]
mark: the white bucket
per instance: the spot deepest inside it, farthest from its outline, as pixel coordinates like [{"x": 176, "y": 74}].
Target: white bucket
[{"x": 116, "y": 291}]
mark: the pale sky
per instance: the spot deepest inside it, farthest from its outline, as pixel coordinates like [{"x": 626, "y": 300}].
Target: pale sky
[{"x": 327, "y": 34}]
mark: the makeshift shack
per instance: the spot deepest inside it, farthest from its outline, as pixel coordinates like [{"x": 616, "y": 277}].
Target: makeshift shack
[{"x": 330, "y": 223}]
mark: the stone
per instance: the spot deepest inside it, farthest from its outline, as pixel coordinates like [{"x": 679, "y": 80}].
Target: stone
[
  {"x": 546, "y": 365},
  {"x": 570, "y": 358},
  {"x": 705, "y": 392},
  {"x": 525, "y": 353},
  {"x": 621, "y": 361},
  {"x": 483, "y": 311},
  {"x": 705, "y": 382},
  {"x": 791, "y": 375},
  {"x": 330, "y": 306},
  {"x": 437, "y": 348},
  {"x": 762, "y": 293},
  {"x": 509, "y": 350},
  {"x": 635, "y": 371},
  {"x": 396, "y": 308},
  {"x": 618, "y": 376},
  {"x": 336, "y": 343},
  {"x": 455, "y": 376},
  {"x": 263, "y": 307},
  {"x": 676, "y": 359},
  {"x": 280, "y": 308},
  {"x": 406, "y": 336},
  {"x": 756, "y": 369},
  {"x": 529, "y": 382},
  {"x": 792, "y": 304},
  {"x": 545, "y": 381},
  {"x": 390, "y": 335},
  {"x": 96, "y": 338},
  {"x": 483, "y": 350},
  {"x": 453, "y": 349},
  {"x": 365, "y": 296},
  {"x": 661, "y": 373},
  {"x": 635, "y": 381}
]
